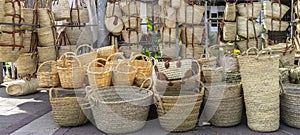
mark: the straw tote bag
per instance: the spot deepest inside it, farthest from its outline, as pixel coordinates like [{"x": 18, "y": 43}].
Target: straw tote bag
[
  {"x": 252, "y": 10},
  {"x": 113, "y": 21},
  {"x": 80, "y": 13},
  {"x": 230, "y": 11},
  {"x": 248, "y": 29},
  {"x": 130, "y": 7},
  {"x": 61, "y": 10},
  {"x": 275, "y": 10},
  {"x": 275, "y": 25}
]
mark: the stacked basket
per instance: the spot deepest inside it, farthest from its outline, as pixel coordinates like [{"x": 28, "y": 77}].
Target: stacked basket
[{"x": 260, "y": 77}]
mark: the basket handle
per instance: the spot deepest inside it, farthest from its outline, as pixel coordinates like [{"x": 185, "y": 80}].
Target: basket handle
[
  {"x": 38, "y": 70},
  {"x": 144, "y": 57},
  {"x": 96, "y": 60},
  {"x": 158, "y": 100},
  {"x": 67, "y": 54},
  {"x": 144, "y": 82},
  {"x": 119, "y": 55},
  {"x": 51, "y": 93},
  {"x": 84, "y": 45},
  {"x": 265, "y": 51},
  {"x": 252, "y": 48},
  {"x": 122, "y": 62},
  {"x": 80, "y": 65}
]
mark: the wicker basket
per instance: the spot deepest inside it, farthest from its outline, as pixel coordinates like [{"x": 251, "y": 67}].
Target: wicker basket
[
  {"x": 174, "y": 69},
  {"x": 61, "y": 10},
  {"x": 253, "y": 9},
  {"x": 225, "y": 112},
  {"x": 120, "y": 109},
  {"x": 169, "y": 17},
  {"x": 47, "y": 36},
  {"x": 130, "y": 8},
  {"x": 248, "y": 29},
  {"x": 11, "y": 8},
  {"x": 48, "y": 76},
  {"x": 26, "y": 63},
  {"x": 8, "y": 54},
  {"x": 113, "y": 60},
  {"x": 230, "y": 11},
  {"x": 105, "y": 52},
  {"x": 178, "y": 111},
  {"x": 223, "y": 90},
  {"x": 229, "y": 31},
  {"x": 128, "y": 50},
  {"x": 132, "y": 22},
  {"x": 192, "y": 35},
  {"x": 99, "y": 76},
  {"x": 192, "y": 51},
  {"x": 287, "y": 53},
  {"x": 85, "y": 58},
  {"x": 132, "y": 36},
  {"x": 11, "y": 28},
  {"x": 28, "y": 15},
  {"x": 229, "y": 63},
  {"x": 190, "y": 14},
  {"x": 124, "y": 74},
  {"x": 114, "y": 25},
  {"x": 244, "y": 45},
  {"x": 271, "y": 9},
  {"x": 144, "y": 68},
  {"x": 275, "y": 25},
  {"x": 290, "y": 105},
  {"x": 72, "y": 77},
  {"x": 213, "y": 74},
  {"x": 83, "y": 16},
  {"x": 47, "y": 53},
  {"x": 66, "y": 109},
  {"x": 27, "y": 43},
  {"x": 208, "y": 61},
  {"x": 45, "y": 17},
  {"x": 260, "y": 77},
  {"x": 66, "y": 48},
  {"x": 74, "y": 34}
]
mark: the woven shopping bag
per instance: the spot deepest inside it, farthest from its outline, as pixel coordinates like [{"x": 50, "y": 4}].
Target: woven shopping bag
[
  {"x": 61, "y": 10},
  {"x": 230, "y": 11}
]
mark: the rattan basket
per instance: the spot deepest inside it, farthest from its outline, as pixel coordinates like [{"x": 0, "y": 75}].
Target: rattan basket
[
  {"x": 85, "y": 58},
  {"x": 99, "y": 76},
  {"x": 105, "y": 52},
  {"x": 230, "y": 11},
  {"x": 48, "y": 76},
  {"x": 144, "y": 68},
  {"x": 124, "y": 74},
  {"x": 223, "y": 90},
  {"x": 82, "y": 18},
  {"x": 8, "y": 54},
  {"x": 213, "y": 74},
  {"x": 26, "y": 63},
  {"x": 45, "y": 17},
  {"x": 66, "y": 109},
  {"x": 120, "y": 109}
]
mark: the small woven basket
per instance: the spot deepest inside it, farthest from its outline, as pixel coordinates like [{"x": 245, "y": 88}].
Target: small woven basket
[
  {"x": 192, "y": 35},
  {"x": 113, "y": 60},
  {"x": 85, "y": 58},
  {"x": 47, "y": 36},
  {"x": 99, "y": 76},
  {"x": 229, "y": 31},
  {"x": 124, "y": 74},
  {"x": 174, "y": 69},
  {"x": 248, "y": 29},
  {"x": 230, "y": 11},
  {"x": 71, "y": 77},
  {"x": 26, "y": 63},
  {"x": 105, "y": 52},
  {"x": 120, "y": 109},
  {"x": 45, "y": 17},
  {"x": 47, "y": 53},
  {"x": 48, "y": 76},
  {"x": 252, "y": 11},
  {"x": 66, "y": 109}
]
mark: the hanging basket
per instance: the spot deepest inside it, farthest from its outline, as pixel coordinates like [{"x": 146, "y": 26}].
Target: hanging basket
[
  {"x": 47, "y": 53},
  {"x": 47, "y": 36},
  {"x": 27, "y": 43},
  {"x": 99, "y": 76},
  {"x": 115, "y": 114},
  {"x": 230, "y": 11},
  {"x": 61, "y": 10},
  {"x": 66, "y": 109},
  {"x": 168, "y": 35},
  {"x": 11, "y": 19},
  {"x": 132, "y": 36},
  {"x": 229, "y": 31},
  {"x": 124, "y": 74},
  {"x": 252, "y": 10},
  {"x": 213, "y": 74},
  {"x": 26, "y": 63},
  {"x": 45, "y": 17},
  {"x": 74, "y": 34},
  {"x": 169, "y": 50},
  {"x": 27, "y": 15},
  {"x": 47, "y": 75},
  {"x": 275, "y": 25},
  {"x": 132, "y": 22},
  {"x": 71, "y": 77},
  {"x": 190, "y": 14},
  {"x": 66, "y": 48},
  {"x": 130, "y": 8},
  {"x": 192, "y": 35},
  {"x": 248, "y": 29},
  {"x": 275, "y": 10},
  {"x": 193, "y": 52},
  {"x": 80, "y": 16},
  {"x": 244, "y": 45}
]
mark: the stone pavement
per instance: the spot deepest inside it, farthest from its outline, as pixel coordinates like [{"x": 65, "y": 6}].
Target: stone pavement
[{"x": 31, "y": 115}]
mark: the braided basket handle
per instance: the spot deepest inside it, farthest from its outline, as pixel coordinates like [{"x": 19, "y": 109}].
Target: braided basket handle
[
  {"x": 84, "y": 45},
  {"x": 118, "y": 55},
  {"x": 97, "y": 61},
  {"x": 51, "y": 61},
  {"x": 158, "y": 100}
]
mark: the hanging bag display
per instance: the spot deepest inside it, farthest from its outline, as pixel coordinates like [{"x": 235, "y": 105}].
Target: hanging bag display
[
  {"x": 113, "y": 21},
  {"x": 252, "y": 10},
  {"x": 230, "y": 11},
  {"x": 275, "y": 10},
  {"x": 80, "y": 13},
  {"x": 61, "y": 10}
]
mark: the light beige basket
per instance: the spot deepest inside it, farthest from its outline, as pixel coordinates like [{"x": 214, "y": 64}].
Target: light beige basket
[
  {"x": 192, "y": 35},
  {"x": 47, "y": 53},
  {"x": 80, "y": 16},
  {"x": 47, "y": 75},
  {"x": 194, "y": 52},
  {"x": 252, "y": 11},
  {"x": 132, "y": 22},
  {"x": 275, "y": 10},
  {"x": 113, "y": 60},
  {"x": 223, "y": 90},
  {"x": 213, "y": 75},
  {"x": 11, "y": 8},
  {"x": 248, "y": 29},
  {"x": 229, "y": 31},
  {"x": 47, "y": 36},
  {"x": 275, "y": 25},
  {"x": 114, "y": 25},
  {"x": 8, "y": 54},
  {"x": 28, "y": 15},
  {"x": 45, "y": 17},
  {"x": 61, "y": 10},
  {"x": 190, "y": 14},
  {"x": 230, "y": 11},
  {"x": 99, "y": 76},
  {"x": 105, "y": 52},
  {"x": 74, "y": 34},
  {"x": 66, "y": 48},
  {"x": 169, "y": 50},
  {"x": 174, "y": 69},
  {"x": 130, "y": 8},
  {"x": 132, "y": 36},
  {"x": 128, "y": 50},
  {"x": 124, "y": 74},
  {"x": 27, "y": 43},
  {"x": 169, "y": 17},
  {"x": 168, "y": 35},
  {"x": 26, "y": 63},
  {"x": 9, "y": 19},
  {"x": 85, "y": 54},
  {"x": 246, "y": 44}
]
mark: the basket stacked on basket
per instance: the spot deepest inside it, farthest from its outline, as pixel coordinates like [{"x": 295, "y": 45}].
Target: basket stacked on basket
[
  {"x": 144, "y": 68},
  {"x": 247, "y": 27},
  {"x": 120, "y": 109},
  {"x": 223, "y": 104},
  {"x": 260, "y": 80},
  {"x": 289, "y": 104}
]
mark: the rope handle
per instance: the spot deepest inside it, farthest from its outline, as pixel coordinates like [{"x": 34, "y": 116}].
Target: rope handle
[
  {"x": 252, "y": 48},
  {"x": 97, "y": 60},
  {"x": 144, "y": 82},
  {"x": 265, "y": 51},
  {"x": 117, "y": 55},
  {"x": 144, "y": 57},
  {"x": 67, "y": 54},
  {"x": 44, "y": 63},
  {"x": 84, "y": 45},
  {"x": 158, "y": 100},
  {"x": 123, "y": 62}
]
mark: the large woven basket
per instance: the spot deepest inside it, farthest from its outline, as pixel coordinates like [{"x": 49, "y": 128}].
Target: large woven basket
[
  {"x": 120, "y": 109},
  {"x": 192, "y": 35},
  {"x": 26, "y": 63},
  {"x": 275, "y": 25},
  {"x": 252, "y": 9},
  {"x": 45, "y": 17},
  {"x": 226, "y": 112},
  {"x": 66, "y": 109},
  {"x": 8, "y": 54},
  {"x": 223, "y": 90},
  {"x": 71, "y": 77},
  {"x": 192, "y": 51},
  {"x": 229, "y": 31},
  {"x": 58, "y": 7},
  {"x": 47, "y": 53},
  {"x": 80, "y": 16},
  {"x": 105, "y": 52},
  {"x": 130, "y": 8},
  {"x": 28, "y": 15},
  {"x": 260, "y": 77},
  {"x": 168, "y": 35},
  {"x": 47, "y": 75},
  {"x": 275, "y": 10},
  {"x": 113, "y": 60},
  {"x": 47, "y": 36},
  {"x": 124, "y": 74},
  {"x": 230, "y": 11},
  {"x": 12, "y": 7},
  {"x": 27, "y": 43},
  {"x": 99, "y": 76},
  {"x": 74, "y": 34},
  {"x": 248, "y": 29},
  {"x": 132, "y": 22},
  {"x": 213, "y": 74},
  {"x": 132, "y": 36},
  {"x": 178, "y": 111},
  {"x": 174, "y": 69},
  {"x": 190, "y": 14},
  {"x": 289, "y": 105},
  {"x": 169, "y": 50},
  {"x": 244, "y": 45}
]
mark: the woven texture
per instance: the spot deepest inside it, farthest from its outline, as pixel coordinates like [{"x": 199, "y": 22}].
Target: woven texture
[
  {"x": 120, "y": 109},
  {"x": 9, "y": 55},
  {"x": 230, "y": 11},
  {"x": 248, "y": 29},
  {"x": 192, "y": 35},
  {"x": 212, "y": 74},
  {"x": 244, "y": 45},
  {"x": 26, "y": 63},
  {"x": 48, "y": 76},
  {"x": 61, "y": 10},
  {"x": 99, "y": 76},
  {"x": 27, "y": 15},
  {"x": 144, "y": 68},
  {"x": 46, "y": 37},
  {"x": 47, "y": 53},
  {"x": 124, "y": 74},
  {"x": 174, "y": 69},
  {"x": 260, "y": 77},
  {"x": 229, "y": 31},
  {"x": 273, "y": 9},
  {"x": 223, "y": 90},
  {"x": 253, "y": 9},
  {"x": 275, "y": 25},
  {"x": 83, "y": 16},
  {"x": 66, "y": 109}
]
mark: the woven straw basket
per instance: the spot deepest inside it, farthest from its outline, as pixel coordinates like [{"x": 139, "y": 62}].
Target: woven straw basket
[
  {"x": 230, "y": 11},
  {"x": 45, "y": 17},
  {"x": 260, "y": 77},
  {"x": 26, "y": 63},
  {"x": 83, "y": 57},
  {"x": 144, "y": 69},
  {"x": 169, "y": 17},
  {"x": 228, "y": 111},
  {"x": 61, "y": 10},
  {"x": 273, "y": 9},
  {"x": 213, "y": 74},
  {"x": 66, "y": 109},
  {"x": 120, "y": 109},
  {"x": 128, "y": 50},
  {"x": 190, "y": 14},
  {"x": 223, "y": 90},
  {"x": 168, "y": 35},
  {"x": 26, "y": 42},
  {"x": 169, "y": 50},
  {"x": 10, "y": 28},
  {"x": 132, "y": 36},
  {"x": 290, "y": 105},
  {"x": 253, "y": 9},
  {"x": 192, "y": 35},
  {"x": 124, "y": 74},
  {"x": 66, "y": 48},
  {"x": 229, "y": 63},
  {"x": 248, "y": 31},
  {"x": 99, "y": 76},
  {"x": 47, "y": 36},
  {"x": 275, "y": 25},
  {"x": 178, "y": 111},
  {"x": 114, "y": 25},
  {"x": 229, "y": 31},
  {"x": 113, "y": 60},
  {"x": 83, "y": 16},
  {"x": 287, "y": 53},
  {"x": 47, "y": 53},
  {"x": 48, "y": 76},
  {"x": 8, "y": 54},
  {"x": 9, "y": 9},
  {"x": 130, "y": 8},
  {"x": 74, "y": 34},
  {"x": 193, "y": 52},
  {"x": 174, "y": 69},
  {"x": 243, "y": 47},
  {"x": 105, "y": 52},
  {"x": 132, "y": 22},
  {"x": 209, "y": 61},
  {"x": 27, "y": 15},
  {"x": 71, "y": 77}
]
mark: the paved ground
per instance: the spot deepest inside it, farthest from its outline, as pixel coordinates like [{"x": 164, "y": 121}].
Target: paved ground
[{"x": 31, "y": 115}]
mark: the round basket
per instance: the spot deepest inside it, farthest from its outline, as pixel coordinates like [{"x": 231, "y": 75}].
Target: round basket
[
  {"x": 223, "y": 90},
  {"x": 48, "y": 76},
  {"x": 26, "y": 63},
  {"x": 124, "y": 74},
  {"x": 66, "y": 109},
  {"x": 114, "y": 25},
  {"x": 72, "y": 77},
  {"x": 181, "y": 114},
  {"x": 121, "y": 109},
  {"x": 99, "y": 76},
  {"x": 226, "y": 112}
]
